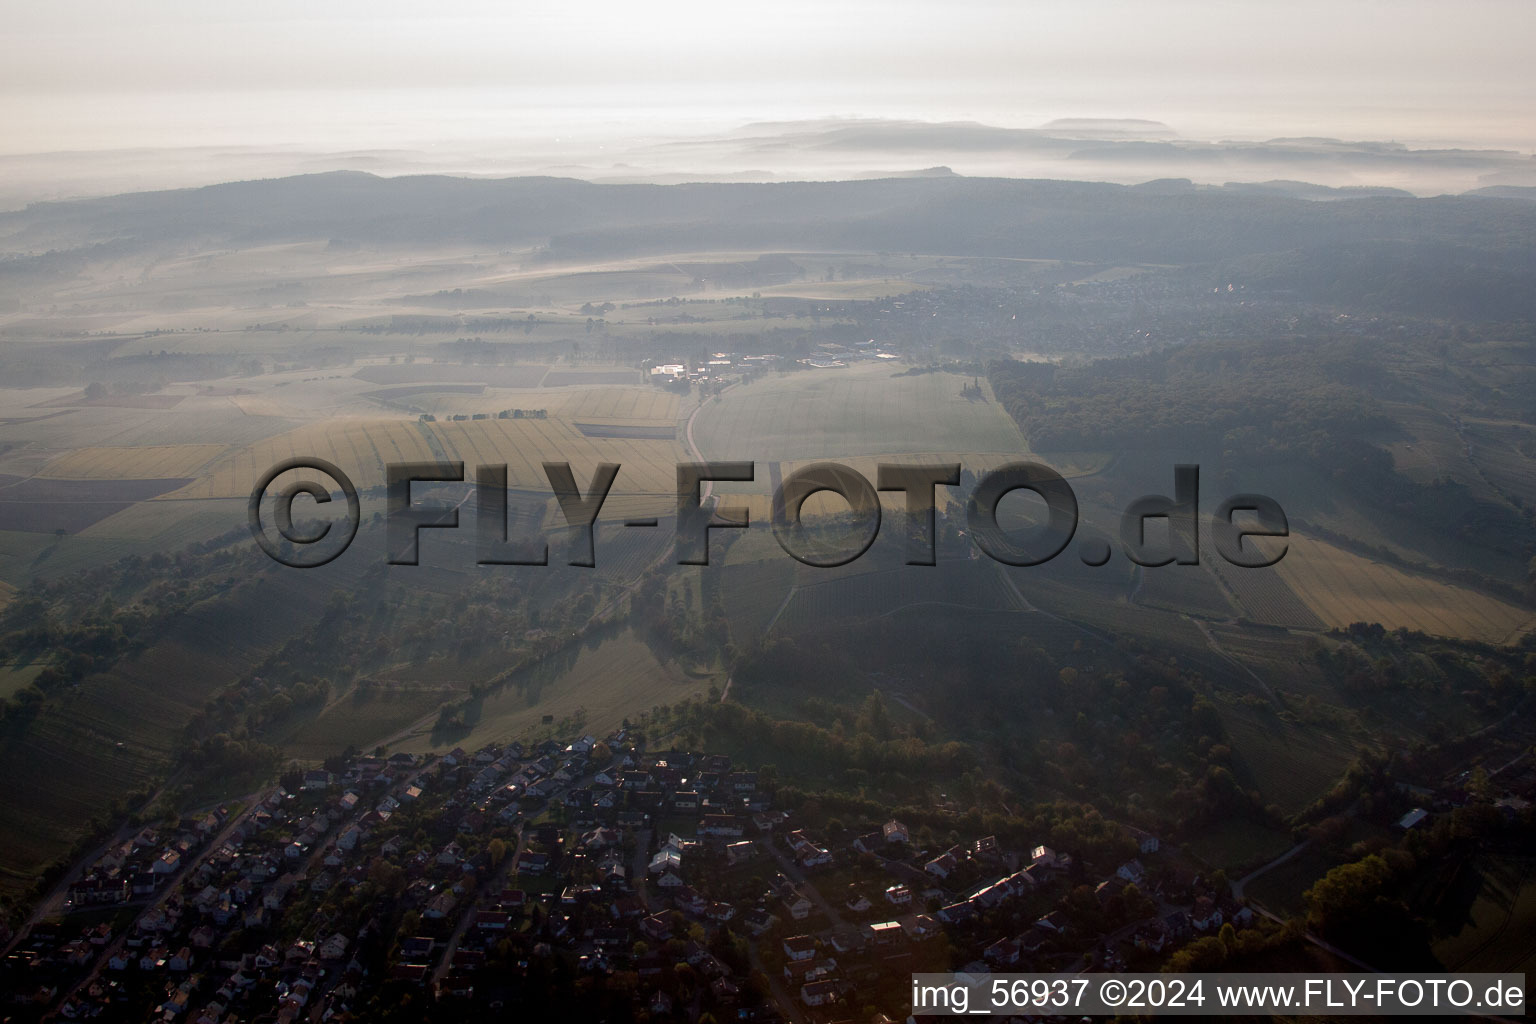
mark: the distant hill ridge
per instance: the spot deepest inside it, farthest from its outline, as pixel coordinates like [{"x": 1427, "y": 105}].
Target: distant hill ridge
[{"x": 937, "y": 213}]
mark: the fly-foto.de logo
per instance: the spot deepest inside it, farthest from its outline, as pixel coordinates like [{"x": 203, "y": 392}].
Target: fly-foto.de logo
[{"x": 698, "y": 511}]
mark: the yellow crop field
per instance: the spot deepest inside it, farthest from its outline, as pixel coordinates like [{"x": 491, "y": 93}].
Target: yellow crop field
[
  {"x": 265, "y": 404},
  {"x": 145, "y": 462},
  {"x": 621, "y": 506},
  {"x": 646, "y": 467},
  {"x": 626, "y": 405},
  {"x": 362, "y": 447},
  {"x": 1341, "y": 587}
]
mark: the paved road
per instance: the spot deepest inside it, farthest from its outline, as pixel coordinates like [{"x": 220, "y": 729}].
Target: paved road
[
  {"x": 796, "y": 875},
  {"x": 786, "y": 1001},
  {"x": 698, "y": 455},
  {"x": 1238, "y": 886},
  {"x": 640, "y": 865},
  {"x": 472, "y": 906}
]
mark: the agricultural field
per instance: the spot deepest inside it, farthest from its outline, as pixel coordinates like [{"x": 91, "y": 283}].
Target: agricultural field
[
  {"x": 215, "y": 436},
  {"x": 296, "y": 281},
  {"x": 364, "y": 717},
  {"x": 1427, "y": 446},
  {"x": 67, "y": 773},
  {"x": 116, "y": 731},
  {"x": 143, "y": 528},
  {"x": 868, "y": 466},
  {"x": 859, "y": 416},
  {"x": 604, "y": 683},
  {"x": 1340, "y": 587},
  {"x": 866, "y": 288},
  {"x": 45, "y": 505},
  {"x": 363, "y": 447},
  {"x": 822, "y": 601},
  {"x": 29, "y": 447},
  {"x": 863, "y": 409},
  {"x": 648, "y": 467},
  {"x": 359, "y": 447},
  {"x": 519, "y": 375},
  {"x": 589, "y": 378},
  {"x": 1271, "y": 652},
  {"x": 147, "y": 524},
  {"x": 756, "y": 496},
  {"x": 1190, "y": 589},
  {"x": 623, "y": 554},
  {"x": 585, "y": 402},
  {"x": 1498, "y": 932},
  {"x": 1291, "y": 764},
  {"x": 89, "y": 468},
  {"x": 144, "y": 462},
  {"x": 25, "y": 555},
  {"x": 620, "y": 405},
  {"x": 1280, "y": 889},
  {"x": 15, "y": 677},
  {"x": 1505, "y": 454},
  {"x": 1085, "y": 611},
  {"x": 339, "y": 359},
  {"x": 1232, "y": 843},
  {"x": 1265, "y": 597},
  {"x": 406, "y": 396},
  {"x": 753, "y": 592}
]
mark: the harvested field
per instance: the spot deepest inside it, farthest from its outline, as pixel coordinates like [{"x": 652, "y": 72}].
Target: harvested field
[
  {"x": 139, "y": 462},
  {"x": 517, "y": 376}
]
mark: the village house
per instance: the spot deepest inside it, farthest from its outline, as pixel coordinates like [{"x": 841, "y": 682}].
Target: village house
[
  {"x": 797, "y": 904},
  {"x": 799, "y": 947},
  {"x": 942, "y": 866},
  {"x": 818, "y": 993},
  {"x": 720, "y": 825},
  {"x": 1205, "y": 915},
  {"x": 1131, "y": 872}
]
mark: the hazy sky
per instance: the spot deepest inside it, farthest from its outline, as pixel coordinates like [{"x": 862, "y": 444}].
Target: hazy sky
[{"x": 366, "y": 74}]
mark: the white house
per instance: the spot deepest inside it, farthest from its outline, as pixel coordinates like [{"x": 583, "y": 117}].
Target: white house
[
  {"x": 1131, "y": 872},
  {"x": 799, "y": 947},
  {"x": 667, "y": 860}
]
